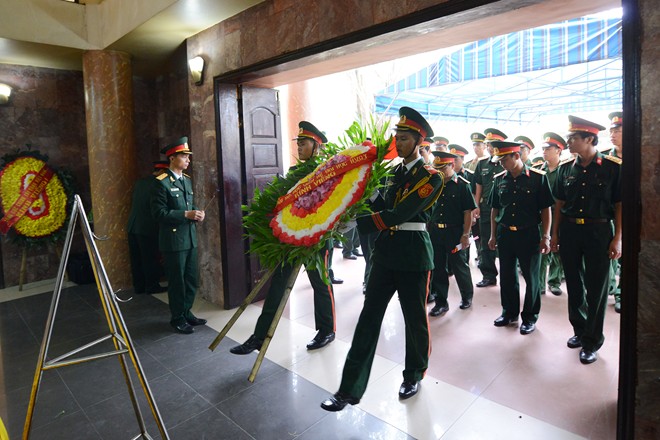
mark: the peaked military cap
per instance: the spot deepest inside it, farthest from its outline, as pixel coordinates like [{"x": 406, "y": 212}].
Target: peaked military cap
[
  {"x": 616, "y": 119},
  {"x": 477, "y": 137},
  {"x": 493, "y": 134},
  {"x": 441, "y": 140},
  {"x": 307, "y": 130},
  {"x": 426, "y": 142},
  {"x": 441, "y": 158},
  {"x": 161, "y": 164},
  {"x": 502, "y": 148},
  {"x": 180, "y": 146},
  {"x": 553, "y": 140},
  {"x": 525, "y": 142},
  {"x": 538, "y": 160},
  {"x": 576, "y": 124},
  {"x": 457, "y": 150},
  {"x": 411, "y": 120}
]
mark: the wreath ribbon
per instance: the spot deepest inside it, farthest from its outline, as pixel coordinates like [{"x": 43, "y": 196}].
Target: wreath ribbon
[
  {"x": 26, "y": 198},
  {"x": 327, "y": 174}
]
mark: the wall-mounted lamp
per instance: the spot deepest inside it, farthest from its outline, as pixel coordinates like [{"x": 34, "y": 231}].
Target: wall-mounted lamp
[
  {"x": 5, "y": 91},
  {"x": 197, "y": 69}
]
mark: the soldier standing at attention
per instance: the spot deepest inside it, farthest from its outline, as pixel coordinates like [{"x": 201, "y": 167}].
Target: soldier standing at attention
[
  {"x": 588, "y": 199},
  {"x": 616, "y": 137},
  {"x": 550, "y": 262},
  {"x": 520, "y": 200},
  {"x": 402, "y": 262},
  {"x": 143, "y": 235},
  {"x": 173, "y": 208},
  {"x": 310, "y": 140},
  {"x": 450, "y": 228},
  {"x": 483, "y": 177}
]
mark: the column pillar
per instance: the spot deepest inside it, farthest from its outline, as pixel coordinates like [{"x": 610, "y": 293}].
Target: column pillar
[{"x": 111, "y": 151}]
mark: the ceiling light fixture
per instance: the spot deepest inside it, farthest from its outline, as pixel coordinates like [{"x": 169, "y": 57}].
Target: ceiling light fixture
[{"x": 197, "y": 69}]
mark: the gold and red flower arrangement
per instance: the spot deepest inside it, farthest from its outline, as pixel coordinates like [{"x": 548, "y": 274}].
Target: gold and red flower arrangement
[
  {"x": 294, "y": 216},
  {"x": 35, "y": 198}
]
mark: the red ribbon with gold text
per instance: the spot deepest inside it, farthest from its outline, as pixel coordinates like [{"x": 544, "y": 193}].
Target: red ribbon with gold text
[
  {"x": 26, "y": 199},
  {"x": 327, "y": 174}
]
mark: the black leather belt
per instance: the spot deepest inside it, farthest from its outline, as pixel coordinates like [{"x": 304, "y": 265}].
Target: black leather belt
[
  {"x": 517, "y": 228},
  {"x": 582, "y": 221}
]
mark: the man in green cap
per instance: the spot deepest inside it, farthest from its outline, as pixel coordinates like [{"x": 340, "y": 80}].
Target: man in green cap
[
  {"x": 440, "y": 143},
  {"x": 402, "y": 261},
  {"x": 520, "y": 201},
  {"x": 588, "y": 199},
  {"x": 550, "y": 262},
  {"x": 450, "y": 225},
  {"x": 479, "y": 148},
  {"x": 526, "y": 146},
  {"x": 173, "y": 207},
  {"x": 616, "y": 138},
  {"x": 484, "y": 177},
  {"x": 310, "y": 140},
  {"x": 143, "y": 235}
]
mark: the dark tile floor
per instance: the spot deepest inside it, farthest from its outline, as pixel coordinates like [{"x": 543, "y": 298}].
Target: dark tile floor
[{"x": 200, "y": 394}]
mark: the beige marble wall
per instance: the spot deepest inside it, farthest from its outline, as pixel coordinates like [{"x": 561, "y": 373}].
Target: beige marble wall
[{"x": 111, "y": 142}]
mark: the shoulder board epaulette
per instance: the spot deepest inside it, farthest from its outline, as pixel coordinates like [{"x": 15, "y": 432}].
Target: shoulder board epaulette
[
  {"x": 186, "y": 175},
  {"x": 613, "y": 159},
  {"x": 468, "y": 170},
  {"x": 464, "y": 179},
  {"x": 536, "y": 170},
  {"x": 161, "y": 176},
  {"x": 430, "y": 169},
  {"x": 482, "y": 158},
  {"x": 569, "y": 160},
  {"x": 499, "y": 174}
]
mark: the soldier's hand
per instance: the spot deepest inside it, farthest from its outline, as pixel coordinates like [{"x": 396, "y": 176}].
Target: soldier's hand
[
  {"x": 196, "y": 216},
  {"x": 615, "y": 249},
  {"x": 202, "y": 216},
  {"x": 554, "y": 244},
  {"x": 544, "y": 246},
  {"x": 476, "y": 213},
  {"x": 492, "y": 244}
]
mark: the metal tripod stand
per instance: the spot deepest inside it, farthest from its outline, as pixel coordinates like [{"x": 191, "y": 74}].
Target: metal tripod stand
[{"x": 116, "y": 325}]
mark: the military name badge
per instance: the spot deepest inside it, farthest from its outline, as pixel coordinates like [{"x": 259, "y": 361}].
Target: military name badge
[{"x": 425, "y": 191}]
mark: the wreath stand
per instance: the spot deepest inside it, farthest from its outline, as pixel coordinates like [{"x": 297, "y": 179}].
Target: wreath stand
[
  {"x": 116, "y": 326},
  {"x": 290, "y": 282}
]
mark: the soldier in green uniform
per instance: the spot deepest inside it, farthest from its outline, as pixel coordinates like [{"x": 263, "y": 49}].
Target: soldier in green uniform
[
  {"x": 402, "y": 262},
  {"x": 550, "y": 262},
  {"x": 440, "y": 143},
  {"x": 520, "y": 201},
  {"x": 588, "y": 199},
  {"x": 460, "y": 153},
  {"x": 479, "y": 148},
  {"x": 173, "y": 208},
  {"x": 483, "y": 177},
  {"x": 450, "y": 234},
  {"x": 310, "y": 140},
  {"x": 616, "y": 137},
  {"x": 526, "y": 146},
  {"x": 143, "y": 235}
]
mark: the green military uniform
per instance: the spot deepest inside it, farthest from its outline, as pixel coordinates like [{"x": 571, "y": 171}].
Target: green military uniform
[
  {"x": 615, "y": 265},
  {"x": 446, "y": 229},
  {"x": 484, "y": 175},
  {"x": 143, "y": 239},
  {"x": 519, "y": 201},
  {"x": 402, "y": 261},
  {"x": 589, "y": 195},
  {"x": 177, "y": 240}
]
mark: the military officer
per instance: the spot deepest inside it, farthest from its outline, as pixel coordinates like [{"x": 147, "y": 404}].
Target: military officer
[
  {"x": 616, "y": 137},
  {"x": 520, "y": 201},
  {"x": 479, "y": 148},
  {"x": 173, "y": 207},
  {"x": 425, "y": 151},
  {"x": 402, "y": 261},
  {"x": 483, "y": 177},
  {"x": 459, "y": 169},
  {"x": 440, "y": 143},
  {"x": 450, "y": 224},
  {"x": 550, "y": 262},
  {"x": 588, "y": 199},
  {"x": 526, "y": 146},
  {"x": 310, "y": 140},
  {"x": 143, "y": 235}
]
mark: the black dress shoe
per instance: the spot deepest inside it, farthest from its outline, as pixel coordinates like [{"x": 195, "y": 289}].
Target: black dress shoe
[
  {"x": 248, "y": 346},
  {"x": 408, "y": 389},
  {"x": 503, "y": 321},
  {"x": 527, "y": 327},
  {"x": 431, "y": 298},
  {"x": 193, "y": 320},
  {"x": 574, "y": 342},
  {"x": 184, "y": 328},
  {"x": 555, "y": 291},
  {"x": 334, "y": 280},
  {"x": 156, "y": 289},
  {"x": 338, "y": 401},
  {"x": 321, "y": 340},
  {"x": 438, "y": 310},
  {"x": 358, "y": 253},
  {"x": 588, "y": 357},
  {"x": 486, "y": 282},
  {"x": 350, "y": 257},
  {"x": 465, "y": 304}
]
